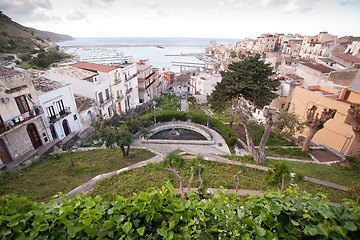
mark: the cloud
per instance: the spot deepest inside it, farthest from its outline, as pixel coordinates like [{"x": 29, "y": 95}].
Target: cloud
[
  {"x": 98, "y": 3},
  {"x": 290, "y": 5},
  {"x": 153, "y": 8},
  {"x": 348, "y": 2},
  {"x": 76, "y": 15},
  {"x": 28, "y": 10}
]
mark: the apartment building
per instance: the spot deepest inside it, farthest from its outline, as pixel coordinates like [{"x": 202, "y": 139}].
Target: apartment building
[
  {"x": 60, "y": 110},
  {"x": 148, "y": 78},
  {"x": 85, "y": 83},
  {"x": 22, "y": 126}
]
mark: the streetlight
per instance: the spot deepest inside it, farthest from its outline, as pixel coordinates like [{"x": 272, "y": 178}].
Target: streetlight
[
  {"x": 154, "y": 102},
  {"x": 207, "y": 125}
]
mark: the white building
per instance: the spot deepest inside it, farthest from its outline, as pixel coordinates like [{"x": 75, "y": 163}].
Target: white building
[
  {"x": 203, "y": 84},
  {"x": 125, "y": 88},
  {"x": 85, "y": 83},
  {"x": 58, "y": 103}
]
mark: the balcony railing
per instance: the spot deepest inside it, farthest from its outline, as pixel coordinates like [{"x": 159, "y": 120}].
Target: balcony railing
[
  {"x": 130, "y": 77},
  {"x": 150, "y": 84},
  {"x": 147, "y": 77},
  {"x": 106, "y": 101},
  {"x": 20, "y": 119},
  {"x": 120, "y": 97},
  {"x": 59, "y": 115}
]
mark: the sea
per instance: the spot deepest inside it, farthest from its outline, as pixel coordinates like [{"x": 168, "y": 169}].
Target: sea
[{"x": 163, "y": 53}]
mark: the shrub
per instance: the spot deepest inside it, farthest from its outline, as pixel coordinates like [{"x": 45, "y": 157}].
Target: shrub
[{"x": 160, "y": 214}]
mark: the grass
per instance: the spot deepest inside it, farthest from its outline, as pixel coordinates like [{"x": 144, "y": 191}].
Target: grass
[
  {"x": 313, "y": 170},
  {"x": 53, "y": 174},
  {"x": 287, "y": 153},
  {"x": 214, "y": 175}
]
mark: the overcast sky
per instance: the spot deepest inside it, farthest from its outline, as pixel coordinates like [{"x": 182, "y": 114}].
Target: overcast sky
[{"x": 186, "y": 18}]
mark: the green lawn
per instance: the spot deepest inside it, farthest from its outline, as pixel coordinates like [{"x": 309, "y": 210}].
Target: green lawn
[
  {"x": 214, "y": 175},
  {"x": 53, "y": 174},
  {"x": 296, "y": 153},
  {"x": 318, "y": 171}
]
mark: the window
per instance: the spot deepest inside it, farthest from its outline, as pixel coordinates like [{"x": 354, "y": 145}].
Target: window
[
  {"x": 22, "y": 104},
  {"x": 60, "y": 107},
  {"x": 75, "y": 117},
  {"x": 101, "y": 99},
  {"x": 51, "y": 112},
  {"x": 107, "y": 94},
  {"x": 109, "y": 111},
  {"x": 118, "y": 94}
]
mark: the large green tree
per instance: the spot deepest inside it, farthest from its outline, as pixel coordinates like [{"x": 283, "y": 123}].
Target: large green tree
[
  {"x": 249, "y": 84},
  {"x": 120, "y": 130}
]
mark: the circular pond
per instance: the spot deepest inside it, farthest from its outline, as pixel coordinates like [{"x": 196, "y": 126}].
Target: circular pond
[{"x": 177, "y": 134}]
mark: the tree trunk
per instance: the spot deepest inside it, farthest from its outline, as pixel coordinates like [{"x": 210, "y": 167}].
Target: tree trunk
[
  {"x": 268, "y": 114},
  {"x": 236, "y": 180},
  {"x": 311, "y": 134},
  {"x": 183, "y": 195},
  {"x": 123, "y": 150},
  {"x": 191, "y": 179},
  {"x": 250, "y": 144},
  {"x": 200, "y": 179},
  {"x": 128, "y": 150},
  {"x": 231, "y": 121}
]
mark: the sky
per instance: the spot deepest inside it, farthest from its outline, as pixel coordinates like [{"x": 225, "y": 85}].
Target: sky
[{"x": 235, "y": 19}]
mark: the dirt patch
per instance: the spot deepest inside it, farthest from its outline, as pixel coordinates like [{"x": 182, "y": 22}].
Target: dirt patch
[{"x": 325, "y": 155}]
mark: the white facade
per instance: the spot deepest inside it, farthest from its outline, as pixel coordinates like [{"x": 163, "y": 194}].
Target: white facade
[
  {"x": 60, "y": 111},
  {"x": 87, "y": 84},
  {"x": 131, "y": 86},
  {"x": 354, "y": 48},
  {"x": 204, "y": 83}
]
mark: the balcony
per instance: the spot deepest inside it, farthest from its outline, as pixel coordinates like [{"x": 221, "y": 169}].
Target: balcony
[
  {"x": 150, "y": 84},
  {"x": 103, "y": 103},
  {"x": 146, "y": 78},
  {"x": 130, "y": 77},
  {"x": 60, "y": 115},
  {"x": 20, "y": 119},
  {"x": 129, "y": 91},
  {"x": 120, "y": 97}
]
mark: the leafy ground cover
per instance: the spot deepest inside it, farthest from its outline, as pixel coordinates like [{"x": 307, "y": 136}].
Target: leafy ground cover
[
  {"x": 214, "y": 175},
  {"x": 322, "y": 172},
  {"x": 160, "y": 214},
  {"x": 53, "y": 174}
]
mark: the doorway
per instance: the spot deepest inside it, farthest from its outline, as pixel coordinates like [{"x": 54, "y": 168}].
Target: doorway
[
  {"x": 66, "y": 127},
  {"x": 4, "y": 153},
  {"x": 34, "y": 135},
  {"x": 53, "y": 131}
]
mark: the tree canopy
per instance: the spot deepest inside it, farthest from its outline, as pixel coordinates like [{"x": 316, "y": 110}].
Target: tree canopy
[{"x": 247, "y": 79}]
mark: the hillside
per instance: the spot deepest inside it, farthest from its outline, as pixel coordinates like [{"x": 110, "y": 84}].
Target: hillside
[
  {"x": 17, "y": 38},
  {"x": 54, "y": 37}
]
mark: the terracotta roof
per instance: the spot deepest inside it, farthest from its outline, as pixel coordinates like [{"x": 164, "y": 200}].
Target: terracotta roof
[
  {"x": 94, "y": 67},
  {"x": 350, "y": 58},
  {"x": 319, "y": 67}
]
